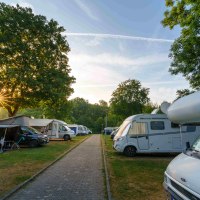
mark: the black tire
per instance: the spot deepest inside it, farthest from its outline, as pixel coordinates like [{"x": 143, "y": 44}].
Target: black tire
[
  {"x": 130, "y": 151},
  {"x": 66, "y": 137},
  {"x": 33, "y": 143}
]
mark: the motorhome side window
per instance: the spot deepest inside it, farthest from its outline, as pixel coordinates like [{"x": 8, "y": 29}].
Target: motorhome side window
[
  {"x": 173, "y": 125},
  {"x": 137, "y": 129},
  {"x": 191, "y": 128},
  {"x": 62, "y": 128},
  {"x": 157, "y": 125}
]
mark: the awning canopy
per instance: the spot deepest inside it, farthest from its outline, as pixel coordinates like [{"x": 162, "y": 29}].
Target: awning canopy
[
  {"x": 39, "y": 122},
  {"x": 18, "y": 120},
  {"x": 8, "y": 126}
]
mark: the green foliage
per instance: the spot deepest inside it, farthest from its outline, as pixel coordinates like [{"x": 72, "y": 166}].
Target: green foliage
[
  {"x": 185, "y": 50},
  {"x": 182, "y": 93},
  {"x": 3, "y": 113},
  {"x": 34, "y": 63},
  {"x": 90, "y": 115},
  {"x": 129, "y": 98},
  {"x": 149, "y": 107},
  {"x": 130, "y": 177}
]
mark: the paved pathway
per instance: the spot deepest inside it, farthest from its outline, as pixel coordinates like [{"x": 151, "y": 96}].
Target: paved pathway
[{"x": 77, "y": 176}]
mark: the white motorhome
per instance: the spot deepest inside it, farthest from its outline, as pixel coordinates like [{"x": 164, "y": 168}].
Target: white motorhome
[
  {"x": 153, "y": 133},
  {"x": 78, "y": 129},
  {"x": 53, "y": 128},
  {"x": 182, "y": 176}
]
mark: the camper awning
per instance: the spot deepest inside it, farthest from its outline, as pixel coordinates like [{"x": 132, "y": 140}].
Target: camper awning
[
  {"x": 8, "y": 126},
  {"x": 39, "y": 122},
  {"x": 19, "y": 120}
]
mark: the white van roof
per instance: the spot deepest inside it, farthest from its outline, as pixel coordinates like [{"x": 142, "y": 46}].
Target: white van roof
[{"x": 147, "y": 116}]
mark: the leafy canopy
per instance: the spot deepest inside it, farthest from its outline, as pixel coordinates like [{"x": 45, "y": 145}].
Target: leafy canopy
[
  {"x": 34, "y": 63},
  {"x": 185, "y": 51},
  {"x": 129, "y": 98}
]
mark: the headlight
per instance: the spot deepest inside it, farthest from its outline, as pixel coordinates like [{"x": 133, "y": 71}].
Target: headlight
[
  {"x": 119, "y": 139},
  {"x": 165, "y": 178}
]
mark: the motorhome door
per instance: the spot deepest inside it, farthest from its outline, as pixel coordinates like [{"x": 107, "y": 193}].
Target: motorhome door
[
  {"x": 143, "y": 137},
  {"x": 139, "y": 132},
  {"x": 54, "y": 130}
]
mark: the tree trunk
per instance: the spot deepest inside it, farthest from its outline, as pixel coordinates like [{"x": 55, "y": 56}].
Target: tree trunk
[{"x": 12, "y": 112}]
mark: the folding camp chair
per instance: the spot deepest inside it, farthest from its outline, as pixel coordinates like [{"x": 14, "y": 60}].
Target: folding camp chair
[{"x": 15, "y": 145}]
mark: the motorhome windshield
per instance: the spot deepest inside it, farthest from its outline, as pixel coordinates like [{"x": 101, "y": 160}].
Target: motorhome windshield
[
  {"x": 122, "y": 128},
  {"x": 196, "y": 145},
  {"x": 67, "y": 128},
  {"x": 29, "y": 130}
]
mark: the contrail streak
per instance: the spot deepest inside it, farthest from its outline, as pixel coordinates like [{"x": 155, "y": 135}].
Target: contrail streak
[{"x": 125, "y": 37}]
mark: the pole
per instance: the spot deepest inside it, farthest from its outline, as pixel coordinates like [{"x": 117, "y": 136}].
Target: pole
[{"x": 181, "y": 138}]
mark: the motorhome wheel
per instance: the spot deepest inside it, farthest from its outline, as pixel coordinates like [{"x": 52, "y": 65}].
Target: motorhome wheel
[
  {"x": 130, "y": 151},
  {"x": 66, "y": 137}
]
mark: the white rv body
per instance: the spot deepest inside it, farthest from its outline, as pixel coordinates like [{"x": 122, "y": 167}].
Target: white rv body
[
  {"x": 78, "y": 129},
  {"x": 153, "y": 133},
  {"x": 185, "y": 110},
  {"x": 54, "y": 128},
  {"x": 183, "y": 173}
]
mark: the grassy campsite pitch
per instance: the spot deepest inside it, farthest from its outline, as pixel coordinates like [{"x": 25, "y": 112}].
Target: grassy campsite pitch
[
  {"x": 135, "y": 178},
  {"x": 19, "y": 165}
]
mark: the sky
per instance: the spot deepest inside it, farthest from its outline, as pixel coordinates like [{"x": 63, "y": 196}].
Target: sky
[{"x": 112, "y": 41}]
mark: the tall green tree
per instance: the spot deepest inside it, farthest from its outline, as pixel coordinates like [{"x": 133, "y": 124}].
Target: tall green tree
[
  {"x": 129, "y": 98},
  {"x": 185, "y": 51},
  {"x": 34, "y": 63},
  {"x": 90, "y": 115}
]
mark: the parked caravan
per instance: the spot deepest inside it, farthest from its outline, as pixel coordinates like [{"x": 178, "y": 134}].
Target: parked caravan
[
  {"x": 87, "y": 130},
  {"x": 153, "y": 133},
  {"x": 54, "y": 128},
  {"x": 78, "y": 129},
  {"x": 181, "y": 178}
]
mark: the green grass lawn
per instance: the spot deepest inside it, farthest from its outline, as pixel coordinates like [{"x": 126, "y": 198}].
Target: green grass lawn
[
  {"x": 19, "y": 165},
  {"x": 137, "y": 178}
]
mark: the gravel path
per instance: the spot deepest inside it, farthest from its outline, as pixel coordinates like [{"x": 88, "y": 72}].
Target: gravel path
[{"x": 77, "y": 176}]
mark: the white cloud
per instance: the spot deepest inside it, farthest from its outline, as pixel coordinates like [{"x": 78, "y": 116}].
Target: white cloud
[
  {"x": 108, "y": 59},
  {"x": 94, "y": 42},
  {"x": 125, "y": 37},
  {"x": 86, "y": 10},
  {"x": 24, "y": 4}
]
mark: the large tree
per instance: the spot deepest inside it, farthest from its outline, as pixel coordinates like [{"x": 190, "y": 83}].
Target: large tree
[
  {"x": 34, "y": 63},
  {"x": 185, "y": 51},
  {"x": 129, "y": 98}
]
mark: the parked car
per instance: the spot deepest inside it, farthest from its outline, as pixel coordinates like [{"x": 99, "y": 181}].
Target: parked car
[
  {"x": 22, "y": 135},
  {"x": 31, "y": 137}
]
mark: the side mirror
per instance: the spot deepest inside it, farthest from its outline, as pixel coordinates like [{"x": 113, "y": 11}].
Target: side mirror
[{"x": 187, "y": 145}]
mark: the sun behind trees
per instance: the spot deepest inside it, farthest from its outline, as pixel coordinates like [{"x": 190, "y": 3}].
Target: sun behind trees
[{"x": 34, "y": 64}]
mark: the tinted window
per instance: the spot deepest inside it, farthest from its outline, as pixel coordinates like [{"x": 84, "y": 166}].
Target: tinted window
[
  {"x": 157, "y": 125},
  {"x": 173, "y": 125},
  {"x": 191, "y": 128}
]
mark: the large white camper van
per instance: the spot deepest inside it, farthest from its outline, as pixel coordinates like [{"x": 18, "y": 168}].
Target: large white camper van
[
  {"x": 53, "y": 128},
  {"x": 182, "y": 176},
  {"x": 153, "y": 133}
]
